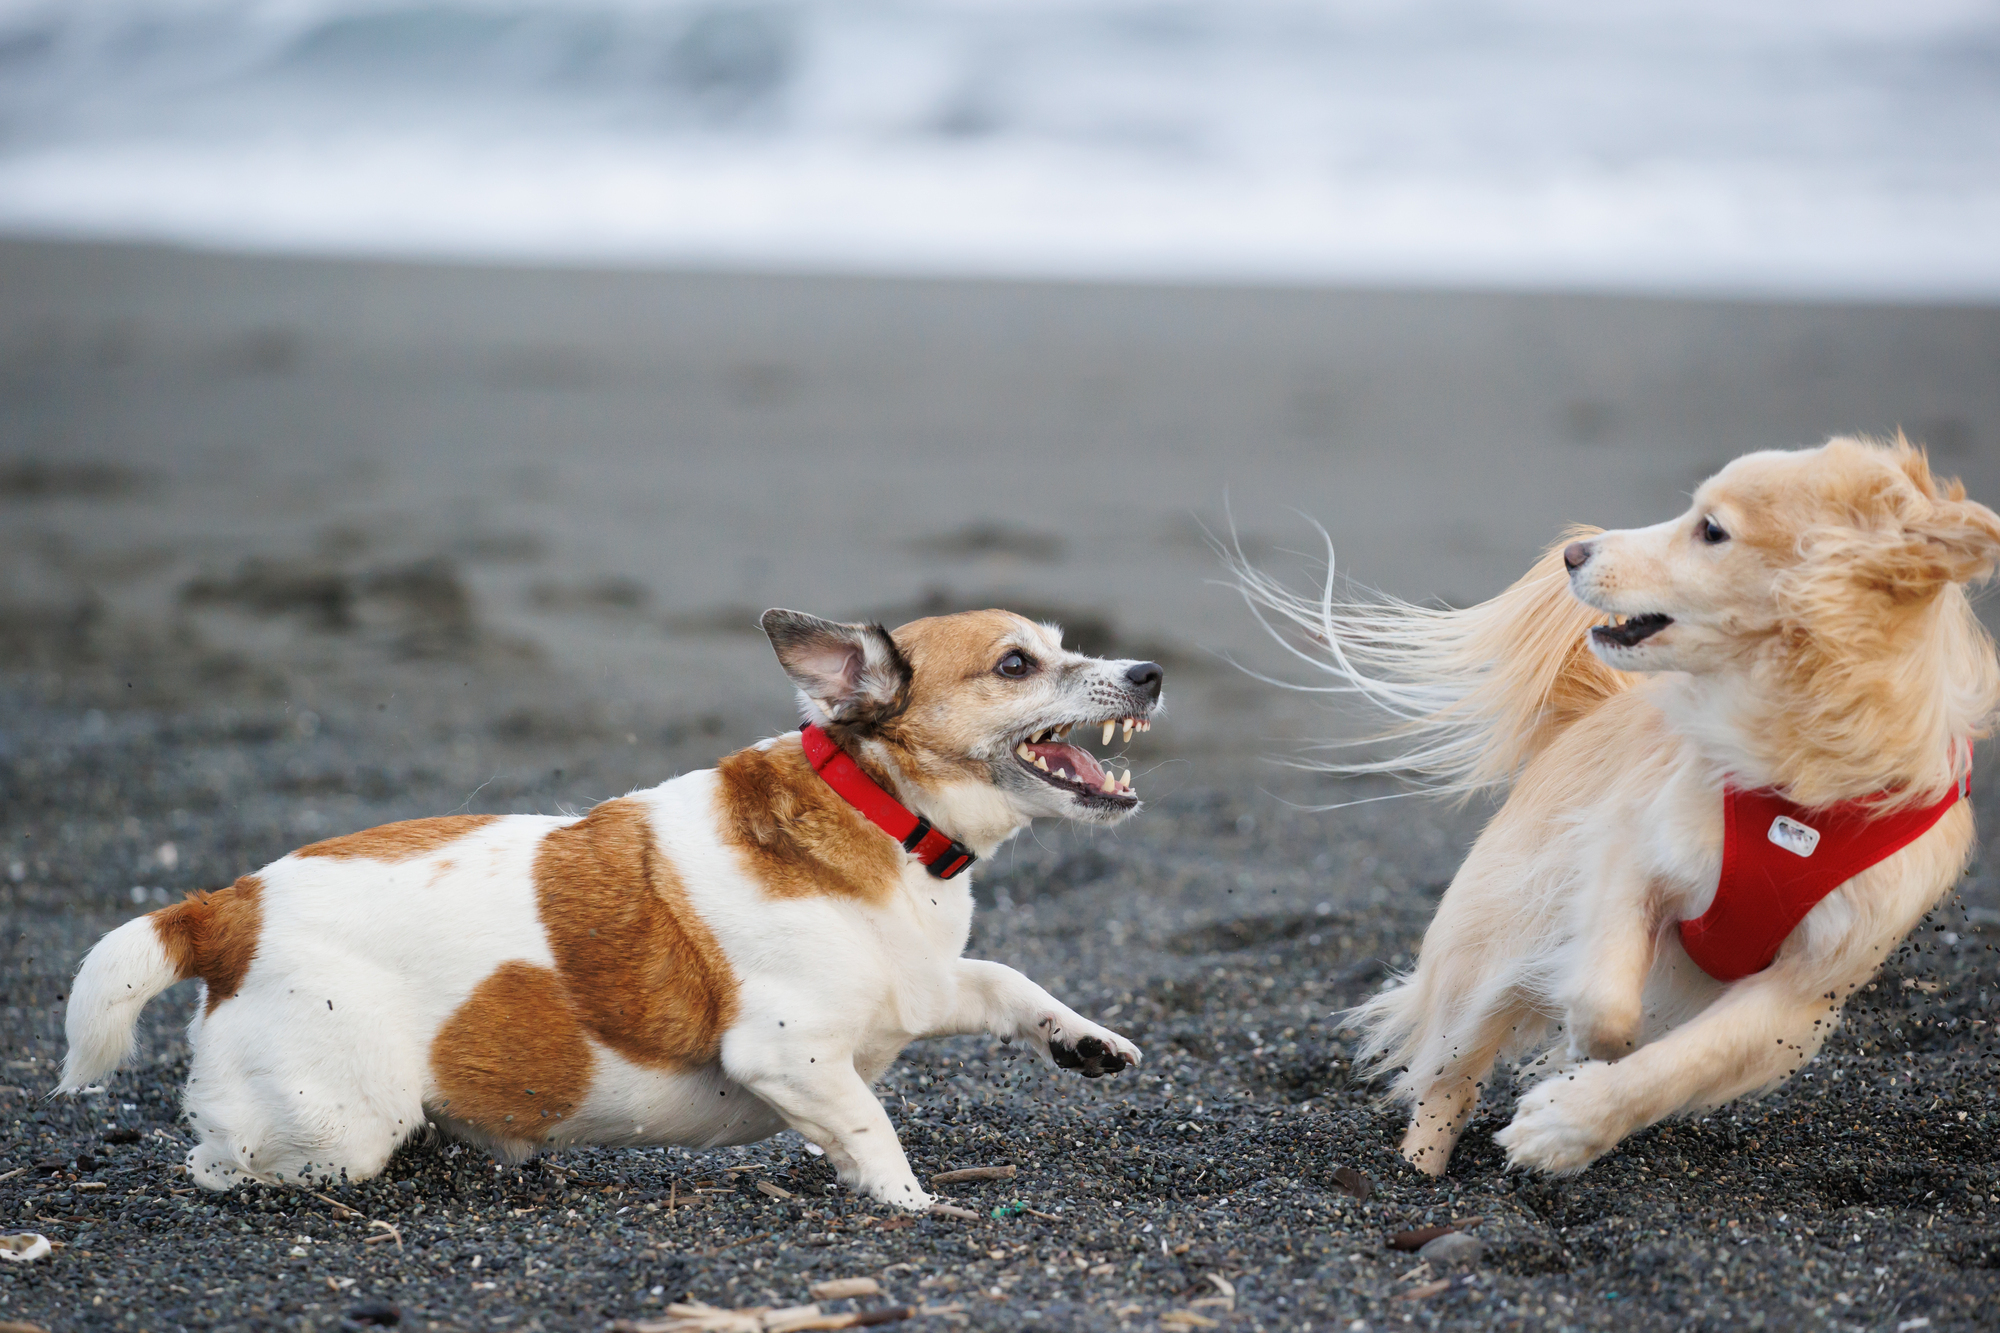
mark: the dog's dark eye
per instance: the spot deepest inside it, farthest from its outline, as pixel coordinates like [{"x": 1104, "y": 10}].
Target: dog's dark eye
[
  {"x": 1712, "y": 532},
  {"x": 1015, "y": 665}
]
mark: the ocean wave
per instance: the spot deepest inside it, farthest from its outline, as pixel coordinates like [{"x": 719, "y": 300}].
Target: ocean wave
[{"x": 1833, "y": 146}]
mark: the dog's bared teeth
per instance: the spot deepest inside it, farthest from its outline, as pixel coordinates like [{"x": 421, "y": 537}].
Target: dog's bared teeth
[
  {"x": 1025, "y": 753},
  {"x": 1128, "y": 730},
  {"x": 1109, "y": 727},
  {"x": 1110, "y": 785},
  {"x": 1041, "y": 763},
  {"x": 1125, "y": 779}
]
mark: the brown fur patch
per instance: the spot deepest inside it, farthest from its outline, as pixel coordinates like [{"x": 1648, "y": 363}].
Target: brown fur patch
[
  {"x": 795, "y": 834},
  {"x": 512, "y": 1060},
  {"x": 953, "y": 651},
  {"x": 399, "y": 842},
  {"x": 642, "y": 971},
  {"x": 214, "y": 936},
  {"x": 956, "y": 702}
]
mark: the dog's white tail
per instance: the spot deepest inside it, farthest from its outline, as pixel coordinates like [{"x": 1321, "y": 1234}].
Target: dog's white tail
[
  {"x": 126, "y": 969},
  {"x": 1471, "y": 694}
]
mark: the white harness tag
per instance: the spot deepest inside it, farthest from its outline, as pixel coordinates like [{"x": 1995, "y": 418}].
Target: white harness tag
[{"x": 1793, "y": 836}]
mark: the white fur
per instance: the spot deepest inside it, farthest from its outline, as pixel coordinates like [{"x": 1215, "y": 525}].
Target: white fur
[
  {"x": 118, "y": 978},
  {"x": 319, "y": 1066}
]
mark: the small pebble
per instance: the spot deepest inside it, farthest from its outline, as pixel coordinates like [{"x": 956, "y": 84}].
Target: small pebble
[{"x": 1454, "y": 1249}]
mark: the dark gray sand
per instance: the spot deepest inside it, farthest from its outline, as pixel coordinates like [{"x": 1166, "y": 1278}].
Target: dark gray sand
[{"x": 289, "y": 549}]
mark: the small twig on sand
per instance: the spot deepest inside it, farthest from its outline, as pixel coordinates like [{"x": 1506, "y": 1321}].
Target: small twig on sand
[
  {"x": 1422, "y": 1236},
  {"x": 774, "y": 1191},
  {"x": 949, "y": 1210},
  {"x": 388, "y": 1233},
  {"x": 975, "y": 1173},
  {"x": 845, "y": 1289},
  {"x": 338, "y": 1206}
]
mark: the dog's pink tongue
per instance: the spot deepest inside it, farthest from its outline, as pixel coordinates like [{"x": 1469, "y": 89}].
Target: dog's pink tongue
[{"x": 1070, "y": 762}]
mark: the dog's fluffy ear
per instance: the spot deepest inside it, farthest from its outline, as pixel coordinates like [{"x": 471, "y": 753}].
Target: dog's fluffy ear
[
  {"x": 1943, "y": 538},
  {"x": 854, "y": 674},
  {"x": 1922, "y": 543},
  {"x": 1958, "y": 541}
]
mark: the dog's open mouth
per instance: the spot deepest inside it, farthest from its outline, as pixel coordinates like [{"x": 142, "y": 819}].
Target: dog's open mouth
[
  {"x": 1048, "y": 754},
  {"x": 1632, "y": 629}
]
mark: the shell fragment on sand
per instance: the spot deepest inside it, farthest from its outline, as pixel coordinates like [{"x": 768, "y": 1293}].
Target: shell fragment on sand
[
  {"x": 699, "y": 1318},
  {"x": 24, "y": 1247}
]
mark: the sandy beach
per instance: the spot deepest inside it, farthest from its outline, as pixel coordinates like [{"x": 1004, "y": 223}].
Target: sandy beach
[{"x": 291, "y": 547}]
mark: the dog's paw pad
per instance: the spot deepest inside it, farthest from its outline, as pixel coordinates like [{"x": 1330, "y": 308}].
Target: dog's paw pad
[
  {"x": 1089, "y": 1056},
  {"x": 1544, "y": 1137}
]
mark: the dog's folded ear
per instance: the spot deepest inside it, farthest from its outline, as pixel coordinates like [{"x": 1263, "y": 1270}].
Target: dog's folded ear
[
  {"x": 855, "y": 674},
  {"x": 1959, "y": 540}
]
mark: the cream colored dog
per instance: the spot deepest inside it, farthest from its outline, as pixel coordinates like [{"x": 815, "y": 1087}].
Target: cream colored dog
[
  {"x": 707, "y": 962},
  {"x": 1803, "y": 628}
]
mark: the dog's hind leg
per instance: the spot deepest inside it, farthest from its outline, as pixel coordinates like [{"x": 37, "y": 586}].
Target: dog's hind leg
[
  {"x": 1441, "y": 1027},
  {"x": 1444, "y": 1089},
  {"x": 289, "y": 1085}
]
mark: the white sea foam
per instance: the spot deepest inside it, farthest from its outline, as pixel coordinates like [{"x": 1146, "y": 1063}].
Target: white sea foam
[{"x": 1820, "y": 148}]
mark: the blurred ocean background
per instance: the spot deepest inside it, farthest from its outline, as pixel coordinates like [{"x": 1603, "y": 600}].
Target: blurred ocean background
[{"x": 1824, "y": 148}]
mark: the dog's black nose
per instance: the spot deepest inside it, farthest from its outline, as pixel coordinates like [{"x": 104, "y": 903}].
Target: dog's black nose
[
  {"x": 1576, "y": 555},
  {"x": 1148, "y": 676}
]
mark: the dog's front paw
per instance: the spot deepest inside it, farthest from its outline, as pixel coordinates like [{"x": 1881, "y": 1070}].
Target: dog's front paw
[
  {"x": 1560, "y": 1125},
  {"x": 906, "y": 1194},
  {"x": 1091, "y": 1050}
]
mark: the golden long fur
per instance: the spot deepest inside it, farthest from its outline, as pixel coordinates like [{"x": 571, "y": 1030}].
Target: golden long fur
[{"x": 1820, "y": 642}]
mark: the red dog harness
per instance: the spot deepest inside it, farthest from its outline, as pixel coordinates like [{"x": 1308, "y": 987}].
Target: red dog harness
[
  {"x": 940, "y": 855},
  {"x": 1779, "y": 860}
]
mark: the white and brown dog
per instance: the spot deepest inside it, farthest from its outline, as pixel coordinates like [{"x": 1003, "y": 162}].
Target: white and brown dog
[
  {"x": 731, "y": 953},
  {"x": 1736, "y": 743}
]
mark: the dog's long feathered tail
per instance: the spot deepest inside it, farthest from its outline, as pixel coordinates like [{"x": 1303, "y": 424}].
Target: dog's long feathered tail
[{"x": 1470, "y": 695}]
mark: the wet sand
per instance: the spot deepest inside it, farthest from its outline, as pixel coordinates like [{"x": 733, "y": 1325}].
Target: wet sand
[{"x": 292, "y": 547}]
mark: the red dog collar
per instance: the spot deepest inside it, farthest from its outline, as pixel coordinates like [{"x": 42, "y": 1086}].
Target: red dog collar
[
  {"x": 1779, "y": 860},
  {"x": 941, "y": 855}
]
